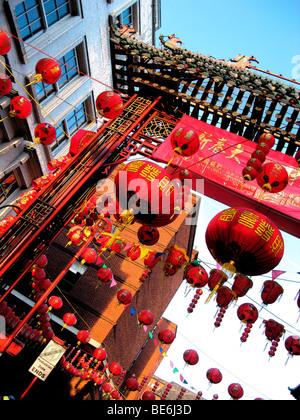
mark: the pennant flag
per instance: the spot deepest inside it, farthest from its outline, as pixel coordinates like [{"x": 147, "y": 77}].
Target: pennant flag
[
  {"x": 164, "y": 354},
  {"x": 113, "y": 283},
  {"x": 277, "y": 273},
  {"x": 128, "y": 246},
  {"x": 133, "y": 311},
  {"x": 159, "y": 254},
  {"x": 181, "y": 378},
  {"x": 150, "y": 334},
  {"x": 172, "y": 364},
  {"x": 219, "y": 266},
  {"x": 175, "y": 370},
  {"x": 161, "y": 349},
  {"x": 145, "y": 328},
  {"x": 155, "y": 342}
]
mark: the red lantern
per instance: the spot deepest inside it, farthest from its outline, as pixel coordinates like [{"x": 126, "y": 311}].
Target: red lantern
[
  {"x": 132, "y": 384},
  {"x": 151, "y": 260},
  {"x": 124, "y": 296},
  {"x": 115, "y": 369},
  {"x": 263, "y": 147},
  {"x": 191, "y": 357},
  {"x": 148, "y": 235},
  {"x": 100, "y": 354},
  {"x": 255, "y": 163},
  {"x": 134, "y": 252},
  {"x": 38, "y": 273},
  {"x": 250, "y": 173},
  {"x": 5, "y": 84},
  {"x": 45, "y": 133},
  {"x": 214, "y": 376},
  {"x": 292, "y": 344},
  {"x": 185, "y": 142},
  {"x": 48, "y": 71},
  {"x": 175, "y": 260},
  {"x": 258, "y": 154},
  {"x": 216, "y": 278},
  {"x": 247, "y": 314},
  {"x": 271, "y": 292},
  {"x": 109, "y": 105},
  {"x": 236, "y": 391},
  {"x": 147, "y": 190},
  {"x": 146, "y": 318},
  {"x": 267, "y": 138},
  {"x": 273, "y": 331},
  {"x": 105, "y": 275},
  {"x": 247, "y": 239},
  {"x": 5, "y": 43},
  {"x": 197, "y": 277},
  {"x": 166, "y": 336},
  {"x": 148, "y": 396},
  {"x": 42, "y": 261},
  {"x": 89, "y": 255},
  {"x": 224, "y": 297},
  {"x": 69, "y": 320},
  {"x": 75, "y": 236},
  {"x": 83, "y": 337},
  {"x": 241, "y": 285},
  {"x": 195, "y": 301},
  {"x": 20, "y": 107},
  {"x": 297, "y": 157},
  {"x": 44, "y": 284},
  {"x": 273, "y": 178}
]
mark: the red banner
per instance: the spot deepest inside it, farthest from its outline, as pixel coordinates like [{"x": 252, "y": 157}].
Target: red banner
[{"x": 220, "y": 161}]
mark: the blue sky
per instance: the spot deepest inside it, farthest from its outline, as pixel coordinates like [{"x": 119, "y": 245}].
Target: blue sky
[{"x": 268, "y": 29}]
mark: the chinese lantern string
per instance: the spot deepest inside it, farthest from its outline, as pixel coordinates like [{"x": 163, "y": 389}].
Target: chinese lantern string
[
  {"x": 62, "y": 63},
  {"x": 32, "y": 98}
]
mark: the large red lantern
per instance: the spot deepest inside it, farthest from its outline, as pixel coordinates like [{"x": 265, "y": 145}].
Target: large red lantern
[
  {"x": 45, "y": 133},
  {"x": 148, "y": 235},
  {"x": 175, "y": 260},
  {"x": 185, "y": 142},
  {"x": 214, "y": 376},
  {"x": 151, "y": 260},
  {"x": 273, "y": 331},
  {"x": 83, "y": 336},
  {"x": 132, "y": 384},
  {"x": 191, "y": 357},
  {"x": 166, "y": 336},
  {"x": 69, "y": 320},
  {"x": 48, "y": 71},
  {"x": 196, "y": 277},
  {"x": 109, "y": 105},
  {"x": 292, "y": 344},
  {"x": 134, "y": 252},
  {"x": 20, "y": 107},
  {"x": 89, "y": 255},
  {"x": 236, "y": 391},
  {"x": 105, "y": 275},
  {"x": 246, "y": 241},
  {"x": 100, "y": 354},
  {"x": 148, "y": 192},
  {"x": 145, "y": 318},
  {"x": 273, "y": 178},
  {"x": 124, "y": 296},
  {"x": 247, "y": 314},
  {"x": 271, "y": 292},
  {"x": 241, "y": 285},
  {"x": 5, "y": 43},
  {"x": 148, "y": 396},
  {"x": 5, "y": 84},
  {"x": 115, "y": 369},
  {"x": 267, "y": 138}
]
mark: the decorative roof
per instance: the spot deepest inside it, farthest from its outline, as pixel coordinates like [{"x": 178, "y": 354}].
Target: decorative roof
[{"x": 232, "y": 95}]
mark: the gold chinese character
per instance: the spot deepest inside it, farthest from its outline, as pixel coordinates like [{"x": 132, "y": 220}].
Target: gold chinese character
[
  {"x": 204, "y": 140},
  {"x": 277, "y": 246},
  {"x": 134, "y": 166},
  {"x": 150, "y": 172},
  {"x": 248, "y": 219},
  {"x": 239, "y": 149},
  {"x": 228, "y": 215},
  {"x": 265, "y": 230},
  {"x": 217, "y": 148}
]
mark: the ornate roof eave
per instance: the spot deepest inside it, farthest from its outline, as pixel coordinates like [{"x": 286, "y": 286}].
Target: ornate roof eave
[{"x": 203, "y": 84}]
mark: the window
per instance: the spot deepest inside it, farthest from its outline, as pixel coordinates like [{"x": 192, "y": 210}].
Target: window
[
  {"x": 69, "y": 68},
  {"x": 69, "y": 125},
  {"x": 129, "y": 17},
  {"x": 34, "y": 16}
]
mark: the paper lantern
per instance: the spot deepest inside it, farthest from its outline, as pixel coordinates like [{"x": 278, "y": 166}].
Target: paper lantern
[
  {"x": 151, "y": 260},
  {"x": 134, "y": 252},
  {"x": 236, "y": 391},
  {"x": 292, "y": 344},
  {"x": 89, "y": 255},
  {"x": 263, "y": 147},
  {"x": 267, "y": 138},
  {"x": 109, "y": 105},
  {"x": 48, "y": 71},
  {"x": 271, "y": 292},
  {"x": 148, "y": 235},
  {"x": 196, "y": 277},
  {"x": 255, "y": 163},
  {"x": 250, "y": 173},
  {"x": 115, "y": 369},
  {"x": 273, "y": 178},
  {"x": 166, "y": 336},
  {"x": 273, "y": 331},
  {"x": 124, "y": 296},
  {"x": 20, "y": 107},
  {"x": 5, "y": 43},
  {"x": 105, "y": 275},
  {"x": 45, "y": 133},
  {"x": 132, "y": 384},
  {"x": 148, "y": 396},
  {"x": 83, "y": 337},
  {"x": 146, "y": 318},
  {"x": 241, "y": 285},
  {"x": 258, "y": 154},
  {"x": 191, "y": 357},
  {"x": 42, "y": 261},
  {"x": 5, "y": 84},
  {"x": 69, "y": 320},
  {"x": 247, "y": 314},
  {"x": 100, "y": 354},
  {"x": 185, "y": 142},
  {"x": 175, "y": 260},
  {"x": 214, "y": 376}
]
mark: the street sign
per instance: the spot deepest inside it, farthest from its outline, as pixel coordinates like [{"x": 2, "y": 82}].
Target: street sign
[{"x": 47, "y": 360}]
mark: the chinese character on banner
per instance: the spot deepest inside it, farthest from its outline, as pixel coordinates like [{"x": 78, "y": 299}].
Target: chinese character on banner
[
  {"x": 204, "y": 140},
  {"x": 248, "y": 219},
  {"x": 234, "y": 153}
]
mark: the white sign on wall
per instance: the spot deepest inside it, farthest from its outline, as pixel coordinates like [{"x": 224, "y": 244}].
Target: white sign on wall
[{"x": 47, "y": 360}]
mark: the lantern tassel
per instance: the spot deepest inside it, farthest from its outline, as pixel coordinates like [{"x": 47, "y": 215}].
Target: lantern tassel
[{"x": 213, "y": 293}]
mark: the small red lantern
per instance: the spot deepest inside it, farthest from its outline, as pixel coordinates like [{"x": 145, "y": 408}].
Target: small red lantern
[
  {"x": 124, "y": 296},
  {"x": 258, "y": 154},
  {"x": 83, "y": 337},
  {"x": 216, "y": 278},
  {"x": 151, "y": 260},
  {"x": 42, "y": 261},
  {"x": 250, "y": 173},
  {"x": 255, "y": 163},
  {"x": 273, "y": 178},
  {"x": 45, "y": 133},
  {"x": 109, "y": 105},
  {"x": 148, "y": 396},
  {"x": 176, "y": 259},
  {"x": 20, "y": 107},
  {"x": 166, "y": 336},
  {"x": 185, "y": 142},
  {"x": 194, "y": 301},
  {"x": 69, "y": 320},
  {"x": 191, "y": 357},
  {"x": 247, "y": 314},
  {"x": 134, "y": 252},
  {"x": 267, "y": 138},
  {"x": 38, "y": 273},
  {"x": 241, "y": 285},
  {"x": 44, "y": 284},
  {"x": 196, "y": 277},
  {"x": 5, "y": 43},
  {"x": 236, "y": 391},
  {"x": 75, "y": 236},
  {"x": 100, "y": 354},
  {"x": 292, "y": 344},
  {"x": 5, "y": 84},
  {"x": 271, "y": 292},
  {"x": 48, "y": 71},
  {"x": 214, "y": 376},
  {"x": 224, "y": 298},
  {"x": 115, "y": 369},
  {"x": 105, "y": 275},
  {"x": 146, "y": 318},
  {"x": 263, "y": 147},
  {"x": 89, "y": 255},
  {"x": 274, "y": 331},
  {"x": 148, "y": 235},
  {"x": 132, "y": 384}
]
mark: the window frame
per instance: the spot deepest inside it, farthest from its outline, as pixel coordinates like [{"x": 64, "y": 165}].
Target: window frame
[{"x": 135, "y": 12}]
